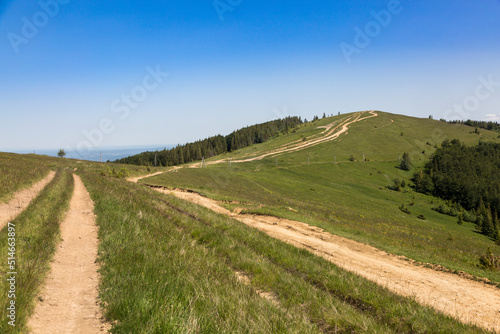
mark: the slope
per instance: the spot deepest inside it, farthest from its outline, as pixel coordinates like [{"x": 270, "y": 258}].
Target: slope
[{"x": 319, "y": 185}]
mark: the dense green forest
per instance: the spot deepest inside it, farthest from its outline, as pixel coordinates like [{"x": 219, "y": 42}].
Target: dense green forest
[
  {"x": 492, "y": 126},
  {"x": 469, "y": 177},
  {"x": 212, "y": 146}
]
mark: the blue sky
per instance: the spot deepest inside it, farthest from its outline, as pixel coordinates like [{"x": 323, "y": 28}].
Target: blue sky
[{"x": 90, "y": 74}]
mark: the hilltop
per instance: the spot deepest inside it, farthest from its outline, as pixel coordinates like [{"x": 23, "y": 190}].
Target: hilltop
[
  {"x": 304, "y": 232},
  {"x": 315, "y": 176},
  {"x": 383, "y": 137}
]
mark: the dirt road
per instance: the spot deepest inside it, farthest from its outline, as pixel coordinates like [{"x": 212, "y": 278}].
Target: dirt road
[
  {"x": 69, "y": 302},
  {"x": 21, "y": 200},
  {"x": 137, "y": 178},
  {"x": 331, "y": 132},
  {"x": 467, "y": 300}
]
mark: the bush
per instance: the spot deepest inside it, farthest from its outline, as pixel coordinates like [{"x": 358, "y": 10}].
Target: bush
[
  {"x": 469, "y": 217},
  {"x": 352, "y": 158},
  {"x": 123, "y": 173},
  {"x": 489, "y": 261},
  {"x": 396, "y": 185},
  {"x": 404, "y": 209}
]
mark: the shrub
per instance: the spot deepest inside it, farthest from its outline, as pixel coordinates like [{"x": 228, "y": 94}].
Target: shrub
[
  {"x": 396, "y": 185},
  {"x": 489, "y": 261},
  {"x": 404, "y": 209}
]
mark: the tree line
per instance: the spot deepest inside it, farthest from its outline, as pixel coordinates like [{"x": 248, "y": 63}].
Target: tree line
[
  {"x": 215, "y": 145},
  {"x": 492, "y": 126},
  {"x": 469, "y": 178}
]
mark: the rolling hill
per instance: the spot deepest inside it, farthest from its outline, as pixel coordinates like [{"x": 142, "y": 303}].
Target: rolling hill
[
  {"x": 221, "y": 263},
  {"x": 320, "y": 185}
]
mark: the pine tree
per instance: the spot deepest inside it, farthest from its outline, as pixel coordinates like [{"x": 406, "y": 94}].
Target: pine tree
[
  {"x": 406, "y": 162},
  {"x": 488, "y": 228}
]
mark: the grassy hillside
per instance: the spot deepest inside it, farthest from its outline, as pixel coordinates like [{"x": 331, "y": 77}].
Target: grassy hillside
[
  {"x": 36, "y": 233},
  {"x": 19, "y": 171},
  {"x": 349, "y": 198},
  {"x": 380, "y": 138},
  {"x": 171, "y": 266}
]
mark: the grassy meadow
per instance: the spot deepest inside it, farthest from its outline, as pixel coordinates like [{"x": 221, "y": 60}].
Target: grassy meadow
[
  {"x": 352, "y": 198},
  {"x": 18, "y": 172},
  {"x": 36, "y": 236},
  {"x": 169, "y": 266}
]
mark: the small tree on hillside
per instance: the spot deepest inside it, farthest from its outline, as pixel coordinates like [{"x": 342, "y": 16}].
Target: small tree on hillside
[
  {"x": 406, "y": 162},
  {"x": 61, "y": 153}
]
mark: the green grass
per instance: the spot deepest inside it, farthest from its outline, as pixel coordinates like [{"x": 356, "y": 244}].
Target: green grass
[
  {"x": 36, "y": 237},
  {"x": 168, "y": 266},
  {"x": 18, "y": 172},
  {"x": 378, "y": 137},
  {"x": 158, "y": 279},
  {"x": 351, "y": 199}
]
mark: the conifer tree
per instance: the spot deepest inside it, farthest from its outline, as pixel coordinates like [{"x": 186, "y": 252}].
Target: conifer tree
[{"x": 406, "y": 162}]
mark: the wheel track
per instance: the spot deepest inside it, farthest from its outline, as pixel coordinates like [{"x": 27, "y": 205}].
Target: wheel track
[
  {"x": 466, "y": 300},
  {"x": 70, "y": 302},
  {"x": 21, "y": 200}
]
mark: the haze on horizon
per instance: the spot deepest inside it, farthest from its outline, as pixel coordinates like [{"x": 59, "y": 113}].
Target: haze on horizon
[{"x": 121, "y": 73}]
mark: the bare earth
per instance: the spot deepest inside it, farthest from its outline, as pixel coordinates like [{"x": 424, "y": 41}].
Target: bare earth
[
  {"x": 469, "y": 301},
  {"x": 331, "y": 132},
  {"x": 21, "y": 200},
  {"x": 137, "y": 178},
  {"x": 69, "y": 302}
]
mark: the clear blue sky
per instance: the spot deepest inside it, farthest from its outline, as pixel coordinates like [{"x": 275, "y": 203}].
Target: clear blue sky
[{"x": 74, "y": 67}]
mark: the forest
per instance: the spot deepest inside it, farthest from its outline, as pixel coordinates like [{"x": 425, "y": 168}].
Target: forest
[
  {"x": 492, "y": 126},
  {"x": 469, "y": 178},
  {"x": 215, "y": 145}
]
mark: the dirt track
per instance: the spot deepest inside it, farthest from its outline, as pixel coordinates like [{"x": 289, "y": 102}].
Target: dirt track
[
  {"x": 21, "y": 200},
  {"x": 137, "y": 178},
  {"x": 469, "y": 301},
  {"x": 69, "y": 302},
  {"x": 332, "y": 132}
]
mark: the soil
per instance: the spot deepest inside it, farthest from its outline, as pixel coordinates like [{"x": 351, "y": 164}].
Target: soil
[
  {"x": 69, "y": 302},
  {"x": 137, "y": 178},
  {"x": 468, "y": 301},
  {"x": 21, "y": 200},
  {"x": 331, "y": 132}
]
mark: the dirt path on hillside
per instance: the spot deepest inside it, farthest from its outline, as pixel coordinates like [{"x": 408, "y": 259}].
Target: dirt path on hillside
[
  {"x": 136, "y": 179},
  {"x": 331, "y": 132},
  {"x": 21, "y": 200},
  {"x": 69, "y": 302},
  {"x": 467, "y": 300}
]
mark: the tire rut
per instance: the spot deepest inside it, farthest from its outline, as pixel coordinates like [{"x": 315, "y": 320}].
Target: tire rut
[
  {"x": 69, "y": 302},
  {"x": 21, "y": 200},
  {"x": 469, "y": 301}
]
